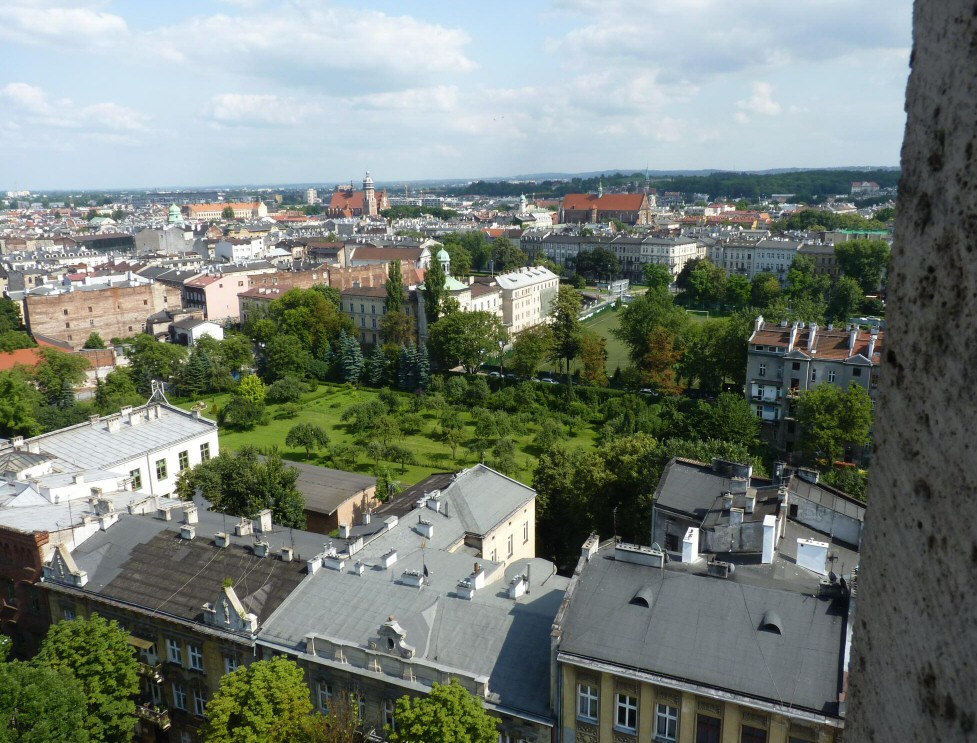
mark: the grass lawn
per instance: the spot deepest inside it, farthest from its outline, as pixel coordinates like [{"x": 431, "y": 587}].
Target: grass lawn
[
  {"x": 324, "y": 408},
  {"x": 617, "y": 352}
]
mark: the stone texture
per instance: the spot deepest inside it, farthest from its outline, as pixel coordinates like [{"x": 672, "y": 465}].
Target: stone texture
[{"x": 914, "y": 670}]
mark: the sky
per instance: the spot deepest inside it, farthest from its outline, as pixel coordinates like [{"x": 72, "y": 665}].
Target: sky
[{"x": 125, "y": 94}]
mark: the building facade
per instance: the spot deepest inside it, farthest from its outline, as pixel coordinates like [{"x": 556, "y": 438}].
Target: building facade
[{"x": 784, "y": 360}]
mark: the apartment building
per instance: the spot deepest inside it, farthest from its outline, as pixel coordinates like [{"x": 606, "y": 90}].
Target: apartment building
[
  {"x": 242, "y": 210},
  {"x": 527, "y": 296},
  {"x": 784, "y": 360}
]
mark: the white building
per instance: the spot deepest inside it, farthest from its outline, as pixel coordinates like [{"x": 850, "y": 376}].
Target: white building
[
  {"x": 527, "y": 296},
  {"x": 238, "y": 250}
]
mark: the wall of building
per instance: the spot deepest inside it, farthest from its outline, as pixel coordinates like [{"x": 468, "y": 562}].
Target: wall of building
[
  {"x": 521, "y": 527},
  {"x": 913, "y": 671},
  {"x": 114, "y": 312}
]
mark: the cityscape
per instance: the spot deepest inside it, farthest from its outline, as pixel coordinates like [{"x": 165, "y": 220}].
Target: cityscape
[{"x": 341, "y": 403}]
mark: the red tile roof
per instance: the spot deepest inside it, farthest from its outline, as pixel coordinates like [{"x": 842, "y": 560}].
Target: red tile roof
[{"x": 618, "y": 202}]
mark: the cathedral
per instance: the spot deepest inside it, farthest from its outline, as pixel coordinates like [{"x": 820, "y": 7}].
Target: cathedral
[{"x": 346, "y": 202}]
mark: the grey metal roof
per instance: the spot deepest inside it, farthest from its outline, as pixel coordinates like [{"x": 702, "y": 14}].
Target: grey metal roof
[
  {"x": 705, "y": 630},
  {"x": 482, "y": 498},
  {"x": 93, "y": 446},
  {"x": 327, "y": 489}
]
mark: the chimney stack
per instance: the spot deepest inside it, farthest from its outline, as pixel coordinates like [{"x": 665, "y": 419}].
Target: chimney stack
[
  {"x": 811, "y": 333},
  {"x": 853, "y": 337},
  {"x": 873, "y": 339}
]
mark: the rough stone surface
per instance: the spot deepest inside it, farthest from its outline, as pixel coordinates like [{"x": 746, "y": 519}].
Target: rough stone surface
[{"x": 914, "y": 671}]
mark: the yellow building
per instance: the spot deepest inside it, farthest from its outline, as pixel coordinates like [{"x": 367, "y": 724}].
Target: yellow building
[{"x": 692, "y": 651}]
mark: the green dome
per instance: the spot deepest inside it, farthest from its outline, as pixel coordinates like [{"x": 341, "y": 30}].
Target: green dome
[
  {"x": 443, "y": 256},
  {"x": 176, "y": 216}
]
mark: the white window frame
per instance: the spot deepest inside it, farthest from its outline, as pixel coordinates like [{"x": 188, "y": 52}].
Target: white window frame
[
  {"x": 230, "y": 664},
  {"x": 831, "y": 376},
  {"x": 324, "y": 696},
  {"x": 762, "y": 372},
  {"x": 588, "y": 701},
  {"x": 174, "y": 651},
  {"x": 195, "y": 657},
  {"x": 179, "y": 696},
  {"x": 509, "y": 545},
  {"x": 627, "y": 706},
  {"x": 389, "y": 710},
  {"x": 199, "y": 702},
  {"x": 666, "y": 717}
]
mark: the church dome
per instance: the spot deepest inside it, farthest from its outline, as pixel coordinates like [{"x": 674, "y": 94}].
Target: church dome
[{"x": 443, "y": 256}]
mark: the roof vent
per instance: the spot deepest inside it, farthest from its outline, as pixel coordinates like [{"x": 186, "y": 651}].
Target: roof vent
[
  {"x": 644, "y": 597},
  {"x": 771, "y": 622},
  {"x": 639, "y": 555},
  {"x": 721, "y": 569}
]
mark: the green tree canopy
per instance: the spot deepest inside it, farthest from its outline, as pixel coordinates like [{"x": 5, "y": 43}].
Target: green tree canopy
[
  {"x": 434, "y": 292},
  {"x": 529, "y": 349},
  {"x": 467, "y": 338},
  {"x": 656, "y": 276},
  {"x": 96, "y": 653},
  {"x": 833, "y": 420},
  {"x": 307, "y": 436},
  {"x": 266, "y": 702},
  {"x": 395, "y": 287},
  {"x": 243, "y": 483},
  {"x": 40, "y": 705},
  {"x": 866, "y": 261},
  {"x": 150, "y": 359},
  {"x": 57, "y": 367},
  {"x": 94, "y": 341},
  {"x": 448, "y": 713},
  {"x": 565, "y": 327},
  {"x": 506, "y": 255},
  {"x": 599, "y": 263},
  {"x": 227, "y": 212}
]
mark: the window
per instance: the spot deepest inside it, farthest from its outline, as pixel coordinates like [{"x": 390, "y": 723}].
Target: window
[
  {"x": 184, "y": 460},
  {"x": 666, "y": 722},
  {"x": 205, "y": 451},
  {"x": 856, "y": 372},
  {"x": 509, "y": 545},
  {"x": 626, "y": 718},
  {"x": 91, "y": 323},
  {"x": 831, "y": 376},
  {"x": 525, "y": 531},
  {"x": 753, "y": 735},
  {"x": 160, "y": 469},
  {"x": 707, "y": 729},
  {"x": 360, "y": 699},
  {"x": 362, "y": 310},
  {"x": 763, "y": 370},
  {"x": 373, "y": 309},
  {"x": 587, "y": 702},
  {"x": 758, "y": 348},
  {"x": 67, "y": 325},
  {"x": 174, "y": 651},
  {"x": 324, "y": 696},
  {"x": 495, "y": 556},
  {"x": 179, "y": 696},
  {"x": 65, "y": 312},
  {"x": 230, "y": 664},
  {"x": 69, "y": 613},
  {"x": 199, "y": 702},
  {"x": 389, "y": 705},
  {"x": 796, "y": 365},
  {"x": 814, "y": 375},
  {"x": 156, "y": 692},
  {"x": 196, "y": 657}
]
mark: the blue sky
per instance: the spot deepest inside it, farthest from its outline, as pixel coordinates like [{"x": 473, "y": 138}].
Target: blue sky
[{"x": 107, "y": 94}]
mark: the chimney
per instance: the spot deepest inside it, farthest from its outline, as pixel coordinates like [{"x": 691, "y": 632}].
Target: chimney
[
  {"x": 588, "y": 550},
  {"x": 769, "y": 538},
  {"x": 810, "y": 337},
  {"x": 735, "y": 516},
  {"x": 750, "y": 502},
  {"x": 853, "y": 337},
  {"x": 344, "y": 531},
  {"x": 758, "y": 325},
  {"x": 690, "y": 545},
  {"x": 873, "y": 339},
  {"x": 812, "y": 555},
  {"x": 727, "y": 500},
  {"x": 17, "y": 441},
  {"x": 187, "y": 531},
  {"x": 793, "y": 337}
]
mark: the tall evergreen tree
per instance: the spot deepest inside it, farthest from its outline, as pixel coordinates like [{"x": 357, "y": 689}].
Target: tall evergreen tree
[
  {"x": 423, "y": 367},
  {"x": 434, "y": 292},
  {"x": 350, "y": 358},
  {"x": 395, "y": 288},
  {"x": 66, "y": 397},
  {"x": 377, "y": 367}
]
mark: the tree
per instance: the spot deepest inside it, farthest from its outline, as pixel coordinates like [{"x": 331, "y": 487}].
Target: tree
[
  {"x": 252, "y": 389},
  {"x": 764, "y": 289},
  {"x": 284, "y": 390},
  {"x": 467, "y": 338},
  {"x": 350, "y": 358},
  {"x": 597, "y": 263},
  {"x": 38, "y": 705},
  {"x": 265, "y": 701},
  {"x": 506, "y": 256},
  {"x": 833, "y": 420},
  {"x": 656, "y": 275},
  {"x": 115, "y": 392},
  {"x": 659, "y": 362},
  {"x": 94, "y": 341},
  {"x": 639, "y": 318},
  {"x": 434, "y": 292},
  {"x": 227, "y": 212},
  {"x": 307, "y": 436},
  {"x": 846, "y": 298},
  {"x": 400, "y": 454},
  {"x": 397, "y": 328},
  {"x": 448, "y": 713},
  {"x": 150, "y": 359},
  {"x": 57, "y": 367},
  {"x": 461, "y": 259},
  {"x": 865, "y": 261},
  {"x": 730, "y": 419},
  {"x": 706, "y": 284},
  {"x": 395, "y": 287},
  {"x": 453, "y": 437},
  {"x": 529, "y": 349},
  {"x": 566, "y": 326},
  {"x": 97, "y": 653},
  {"x": 593, "y": 354},
  {"x": 376, "y": 367},
  {"x": 242, "y": 484},
  {"x": 738, "y": 292}
]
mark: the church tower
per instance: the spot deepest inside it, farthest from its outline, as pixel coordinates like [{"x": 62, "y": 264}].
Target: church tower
[{"x": 369, "y": 197}]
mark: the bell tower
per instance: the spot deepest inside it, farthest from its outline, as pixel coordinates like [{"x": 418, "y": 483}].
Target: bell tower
[{"x": 369, "y": 196}]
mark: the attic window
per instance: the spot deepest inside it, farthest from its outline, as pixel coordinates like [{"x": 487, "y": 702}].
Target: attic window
[
  {"x": 771, "y": 622},
  {"x": 644, "y": 597}
]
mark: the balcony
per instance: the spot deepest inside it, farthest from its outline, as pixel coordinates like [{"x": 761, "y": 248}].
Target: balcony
[
  {"x": 152, "y": 671},
  {"x": 156, "y": 715}
]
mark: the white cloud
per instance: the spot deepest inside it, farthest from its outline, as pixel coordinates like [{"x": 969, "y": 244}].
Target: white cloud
[
  {"x": 26, "y": 97},
  {"x": 35, "y": 24},
  {"x": 760, "y": 103},
  {"x": 32, "y": 107},
  {"x": 259, "y": 110}
]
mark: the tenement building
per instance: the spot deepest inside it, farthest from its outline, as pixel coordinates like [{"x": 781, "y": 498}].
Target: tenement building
[
  {"x": 741, "y": 633},
  {"x": 785, "y": 360}
]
